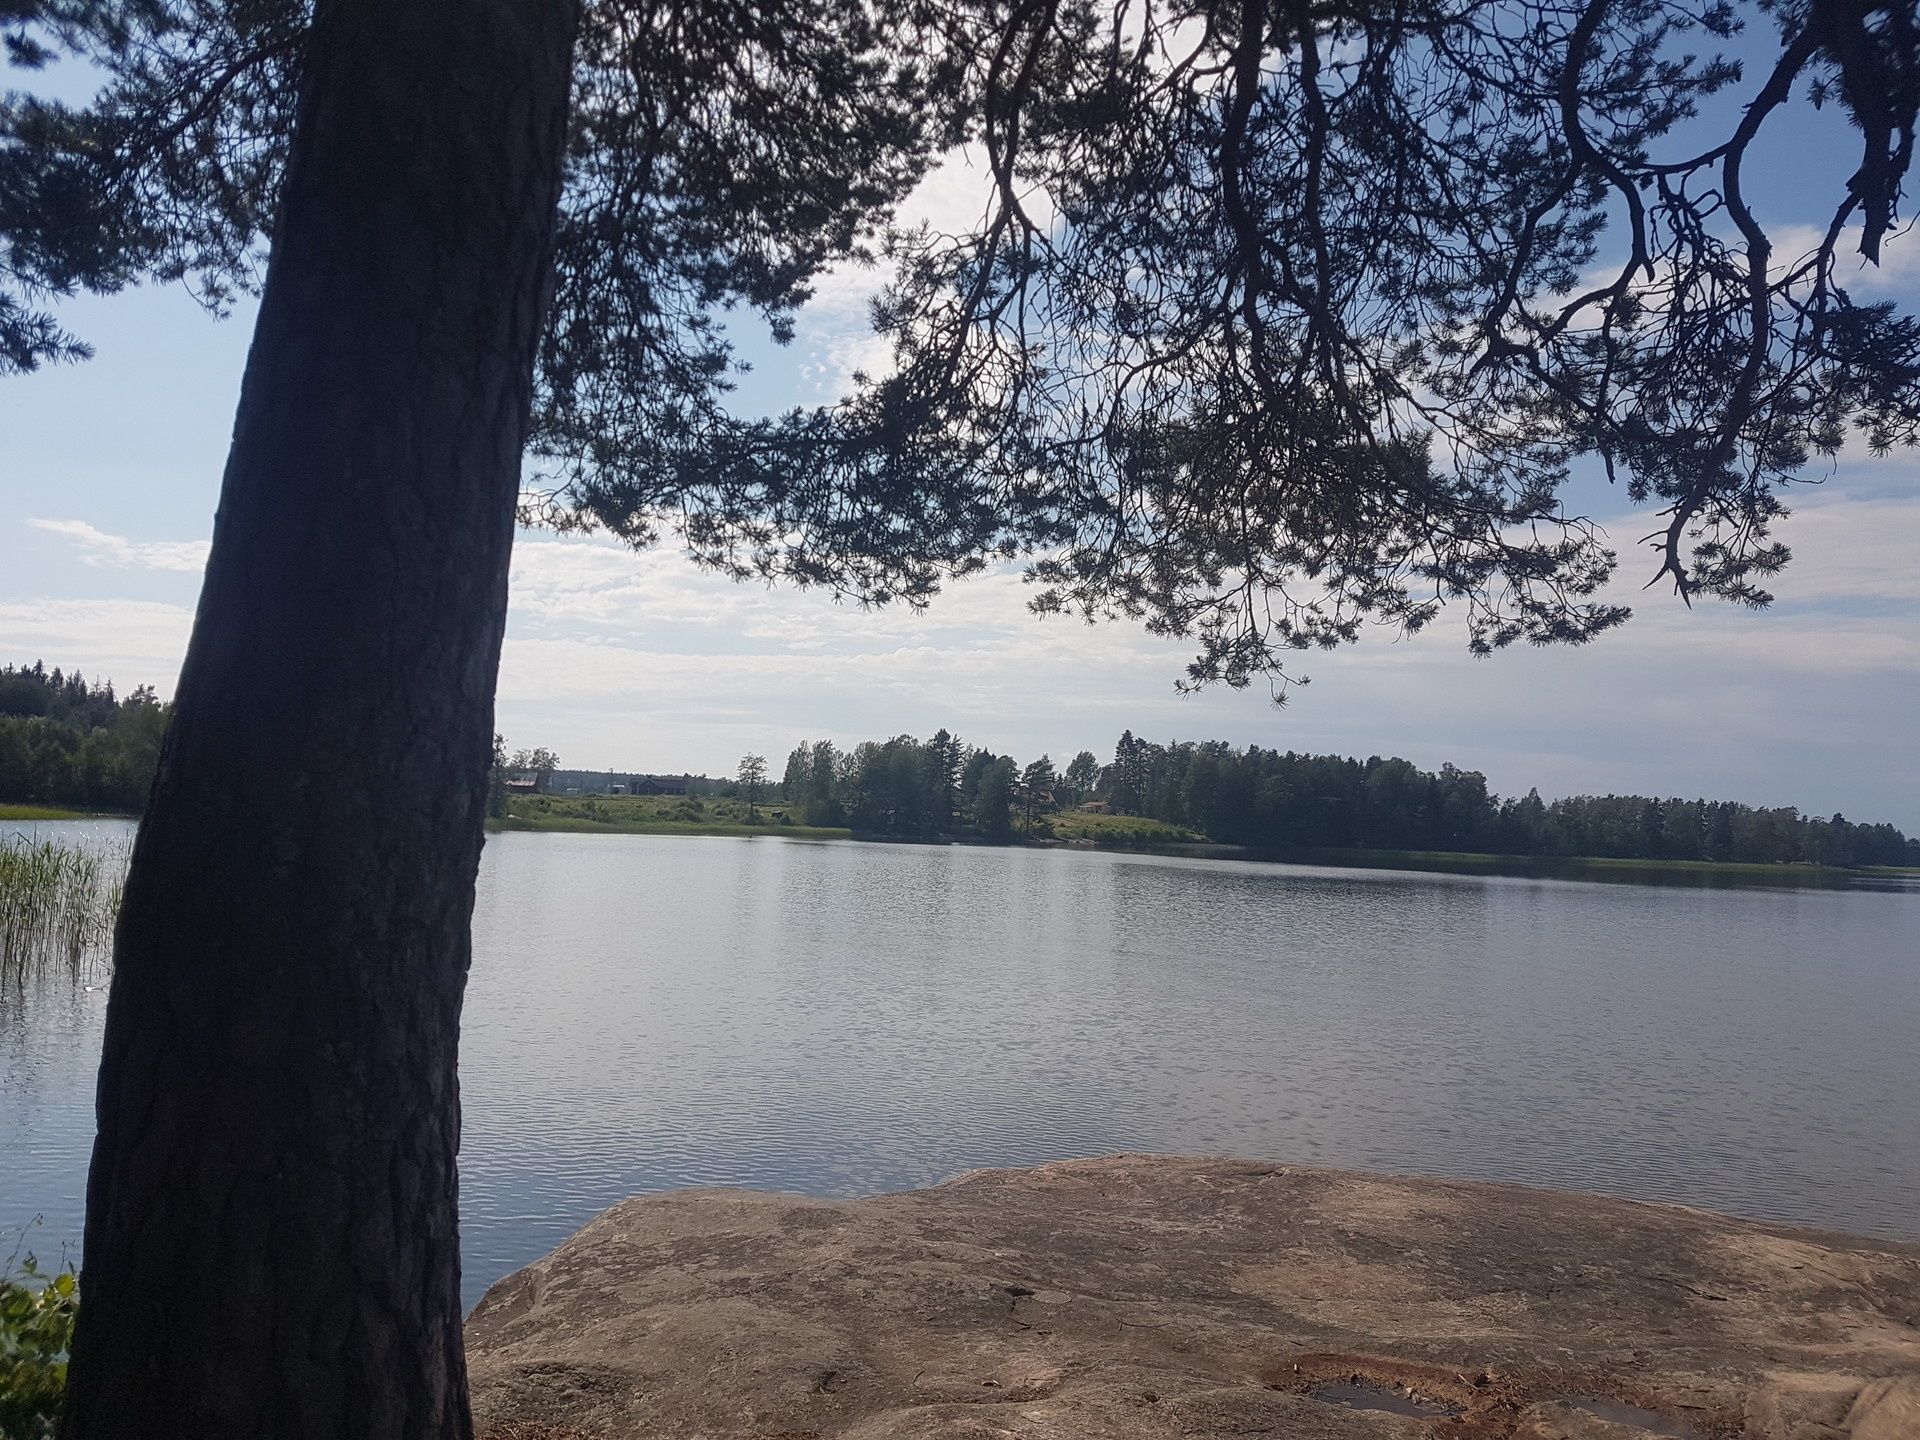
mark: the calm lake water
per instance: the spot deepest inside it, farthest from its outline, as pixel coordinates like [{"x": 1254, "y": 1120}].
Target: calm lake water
[{"x": 840, "y": 1019}]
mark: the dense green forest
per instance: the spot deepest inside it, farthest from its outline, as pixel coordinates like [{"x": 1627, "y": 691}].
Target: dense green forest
[
  {"x": 905, "y": 787},
  {"x": 1284, "y": 800},
  {"x": 66, "y": 742}
]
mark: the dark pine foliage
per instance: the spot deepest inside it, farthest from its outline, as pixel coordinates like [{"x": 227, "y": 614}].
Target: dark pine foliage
[
  {"x": 1281, "y": 318},
  {"x": 1284, "y": 800},
  {"x": 66, "y": 742}
]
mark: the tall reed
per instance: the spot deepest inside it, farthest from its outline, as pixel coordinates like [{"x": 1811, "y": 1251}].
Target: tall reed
[{"x": 57, "y": 906}]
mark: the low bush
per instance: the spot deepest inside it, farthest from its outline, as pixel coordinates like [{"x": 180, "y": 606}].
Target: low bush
[{"x": 36, "y": 1335}]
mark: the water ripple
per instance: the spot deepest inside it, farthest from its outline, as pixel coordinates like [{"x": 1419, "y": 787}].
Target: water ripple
[{"x": 653, "y": 1012}]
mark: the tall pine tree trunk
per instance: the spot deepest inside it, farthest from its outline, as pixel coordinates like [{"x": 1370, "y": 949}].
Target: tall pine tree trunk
[{"x": 272, "y": 1245}]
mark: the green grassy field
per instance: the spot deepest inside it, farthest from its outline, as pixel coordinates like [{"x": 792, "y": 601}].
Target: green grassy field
[
  {"x": 653, "y": 815},
  {"x": 38, "y": 812},
  {"x": 1119, "y": 830}
]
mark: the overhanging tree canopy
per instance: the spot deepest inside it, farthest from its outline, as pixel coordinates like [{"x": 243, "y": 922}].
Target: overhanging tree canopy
[{"x": 1281, "y": 316}]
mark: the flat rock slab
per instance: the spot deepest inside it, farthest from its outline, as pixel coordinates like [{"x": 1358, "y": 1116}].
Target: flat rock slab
[{"x": 1139, "y": 1297}]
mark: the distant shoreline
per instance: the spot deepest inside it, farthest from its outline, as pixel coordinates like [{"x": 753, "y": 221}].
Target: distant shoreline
[
  {"x": 580, "y": 825},
  {"x": 55, "y": 812},
  {"x": 1553, "y": 867},
  {"x": 1437, "y": 862}
]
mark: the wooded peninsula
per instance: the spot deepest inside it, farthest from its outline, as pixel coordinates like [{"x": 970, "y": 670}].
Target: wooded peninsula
[
  {"x": 1188, "y": 792},
  {"x": 1271, "y": 799}
]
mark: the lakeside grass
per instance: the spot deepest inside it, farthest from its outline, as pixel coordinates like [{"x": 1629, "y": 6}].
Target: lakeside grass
[
  {"x": 58, "y": 904},
  {"x": 1119, "y": 831},
  {"x": 579, "y": 825},
  {"x": 719, "y": 815},
  {"x": 724, "y": 815},
  {"x": 40, "y": 812}
]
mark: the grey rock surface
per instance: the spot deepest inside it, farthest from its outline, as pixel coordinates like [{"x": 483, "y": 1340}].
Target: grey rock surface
[{"x": 1142, "y": 1297}]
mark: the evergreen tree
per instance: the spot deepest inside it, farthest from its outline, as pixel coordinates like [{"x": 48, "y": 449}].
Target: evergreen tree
[
  {"x": 1036, "y": 782},
  {"x": 1311, "y": 342},
  {"x": 497, "y": 779},
  {"x": 811, "y": 784},
  {"x": 1125, "y": 779},
  {"x": 993, "y": 799},
  {"x": 751, "y": 775},
  {"x": 945, "y": 755}
]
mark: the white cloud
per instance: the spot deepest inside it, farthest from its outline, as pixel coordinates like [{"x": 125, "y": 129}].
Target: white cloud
[
  {"x": 1899, "y": 267},
  {"x": 1846, "y": 551},
  {"x": 640, "y": 660},
  {"x": 953, "y": 197},
  {"x": 130, "y": 642},
  {"x": 97, "y": 547},
  {"x": 833, "y": 334},
  {"x": 572, "y": 586},
  {"x": 1851, "y": 550}
]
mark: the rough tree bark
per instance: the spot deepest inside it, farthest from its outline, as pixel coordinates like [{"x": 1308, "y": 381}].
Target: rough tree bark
[{"x": 271, "y": 1244}]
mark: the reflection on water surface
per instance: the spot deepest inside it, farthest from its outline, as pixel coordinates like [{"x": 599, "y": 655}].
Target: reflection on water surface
[{"x": 649, "y": 1012}]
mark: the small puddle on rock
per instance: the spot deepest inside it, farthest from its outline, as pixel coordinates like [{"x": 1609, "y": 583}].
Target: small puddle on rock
[
  {"x": 1623, "y": 1414},
  {"x": 1357, "y": 1396}
]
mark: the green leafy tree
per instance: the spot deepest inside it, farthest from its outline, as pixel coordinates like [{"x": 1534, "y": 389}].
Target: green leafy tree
[
  {"x": 794, "y": 788},
  {"x": 973, "y": 765},
  {"x": 1279, "y": 321},
  {"x": 888, "y": 788},
  {"x": 811, "y": 784},
  {"x": 537, "y": 761},
  {"x": 1083, "y": 775},
  {"x": 64, "y": 741},
  {"x": 751, "y": 776},
  {"x": 1286, "y": 800}
]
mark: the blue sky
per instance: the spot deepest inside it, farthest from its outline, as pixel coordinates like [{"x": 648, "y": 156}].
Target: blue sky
[{"x": 111, "y": 473}]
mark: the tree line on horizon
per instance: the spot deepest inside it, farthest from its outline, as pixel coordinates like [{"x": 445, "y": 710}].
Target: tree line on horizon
[
  {"x": 903, "y": 786},
  {"x": 70, "y": 742},
  {"x": 1285, "y": 800},
  {"x": 67, "y": 742}
]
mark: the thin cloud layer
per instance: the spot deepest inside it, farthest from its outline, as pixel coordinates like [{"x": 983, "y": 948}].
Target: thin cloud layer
[
  {"x": 643, "y": 661},
  {"x": 97, "y": 547},
  {"x": 130, "y": 642}
]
